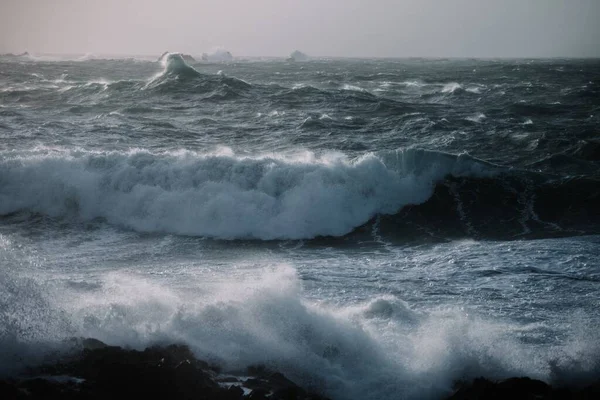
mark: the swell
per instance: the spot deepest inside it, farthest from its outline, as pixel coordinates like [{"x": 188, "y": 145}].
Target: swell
[
  {"x": 175, "y": 79},
  {"x": 505, "y": 207}
]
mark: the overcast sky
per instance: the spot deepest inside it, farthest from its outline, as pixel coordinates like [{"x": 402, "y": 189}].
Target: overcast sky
[{"x": 367, "y": 28}]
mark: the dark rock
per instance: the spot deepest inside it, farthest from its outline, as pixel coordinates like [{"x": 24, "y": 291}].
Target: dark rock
[
  {"x": 275, "y": 385},
  {"x": 290, "y": 392},
  {"x": 234, "y": 392},
  {"x": 227, "y": 379},
  {"x": 259, "y": 394},
  {"x": 109, "y": 371},
  {"x": 521, "y": 389},
  {"x": 99, "y": 371},
  {"x": 93, "y": 344},
  {"x": 8, "y": 390}
]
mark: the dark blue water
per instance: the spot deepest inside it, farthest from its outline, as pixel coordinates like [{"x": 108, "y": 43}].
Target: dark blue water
[{"x": 372, "y": 228}]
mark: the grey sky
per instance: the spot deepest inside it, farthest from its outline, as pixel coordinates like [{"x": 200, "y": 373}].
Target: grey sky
[{"x": 400, "y": 28}]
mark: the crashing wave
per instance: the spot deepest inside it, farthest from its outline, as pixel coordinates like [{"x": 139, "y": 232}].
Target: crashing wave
[
  {"x": 87, "y": 57},
  {"x": 225, "y": 197},
  {"x": 297, "y": 56},
  {"x": 265, "y": 317},
  {"x": 186, "y": 57},
  {"x": 233, "y": 197},
  {"x": 174, "y": 67},
  {"x": 218, "y": 55},
  {"x": 452, "y": 87}
]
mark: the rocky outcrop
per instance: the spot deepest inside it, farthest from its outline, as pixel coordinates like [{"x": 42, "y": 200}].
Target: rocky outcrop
[
  {"x": 521, "y": 389},
  {"x": 95, "y": 371},
  {"x": 24, "y": 54},
  {"x": 98, "y": 371}
]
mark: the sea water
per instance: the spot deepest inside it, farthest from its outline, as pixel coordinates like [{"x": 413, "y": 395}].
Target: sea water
[{"x": 370, "y": 228}]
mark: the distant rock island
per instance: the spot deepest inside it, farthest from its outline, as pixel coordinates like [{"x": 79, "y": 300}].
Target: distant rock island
[
  {"x": 24, "y": 54},
  {"x": 186, "y": 57},
  {"x": 218, "y": 55},
  {"x": 297, "y": 56}
]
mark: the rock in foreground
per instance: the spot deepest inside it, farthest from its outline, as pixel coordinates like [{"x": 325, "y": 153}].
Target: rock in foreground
[
  {"x": 521, "y": 389},
  {"x": 98, "y": 371}
]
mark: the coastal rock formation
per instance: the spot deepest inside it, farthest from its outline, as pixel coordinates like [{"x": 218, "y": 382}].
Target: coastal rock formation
[
  {"x": 99, "y": 371},
  {"x": 521, "y": 389},
  {"x": 24, "y": 54},
  {"x": 95, "y": 370}
]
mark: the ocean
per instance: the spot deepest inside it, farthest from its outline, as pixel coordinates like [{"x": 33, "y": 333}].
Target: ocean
[{"x": 372, "y": 228}]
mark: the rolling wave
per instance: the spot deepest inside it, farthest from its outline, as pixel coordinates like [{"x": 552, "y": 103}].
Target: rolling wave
[
  {"x": 406, "y": 192},
  {"x": 226, "y": 197}
]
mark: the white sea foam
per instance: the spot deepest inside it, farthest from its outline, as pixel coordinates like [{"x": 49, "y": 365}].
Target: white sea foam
[
  {"x": 451, "y": 87},
  {"x": 87, "y": 57},
  {"x": 218, "y": 54},
  {"x": 477, "y": 118},
  {"x": 413, "y": 83},
  {"x": 377, "y": 349},
  {"x": 475, "y": 89},
  {"x": 298, "y": 56},
  {"x": 354, "y": 88},
  {"x": 224, "y": 196}
]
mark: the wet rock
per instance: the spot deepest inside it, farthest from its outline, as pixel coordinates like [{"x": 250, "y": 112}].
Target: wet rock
[
  {"x": 275, "y": 386},
  {"x": 100, "y": 371},
  {"x": 93, "y": 344},
  {"x": 521, "y": 389}
]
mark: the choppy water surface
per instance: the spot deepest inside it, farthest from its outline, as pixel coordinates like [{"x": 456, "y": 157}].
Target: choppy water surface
[{"x": 371, "y": 228}]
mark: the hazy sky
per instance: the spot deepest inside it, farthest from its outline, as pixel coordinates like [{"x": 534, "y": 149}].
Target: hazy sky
[{"x": 392, "y": 28}]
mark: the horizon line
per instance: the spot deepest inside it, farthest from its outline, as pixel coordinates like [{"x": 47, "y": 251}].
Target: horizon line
[{"x": 364, "y": 57}]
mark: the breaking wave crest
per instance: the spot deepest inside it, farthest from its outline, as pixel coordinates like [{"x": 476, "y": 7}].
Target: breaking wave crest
[
  {"x": 178, "y": 75},
  {"x": 226, "y": 197},
  {"x": 174, "y": 67},
  {"x": 372, "y": 350},
  {"x": 406, "y": 193}
]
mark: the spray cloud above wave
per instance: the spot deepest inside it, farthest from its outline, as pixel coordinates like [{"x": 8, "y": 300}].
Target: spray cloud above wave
[{"x": 367, "y": 350}]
